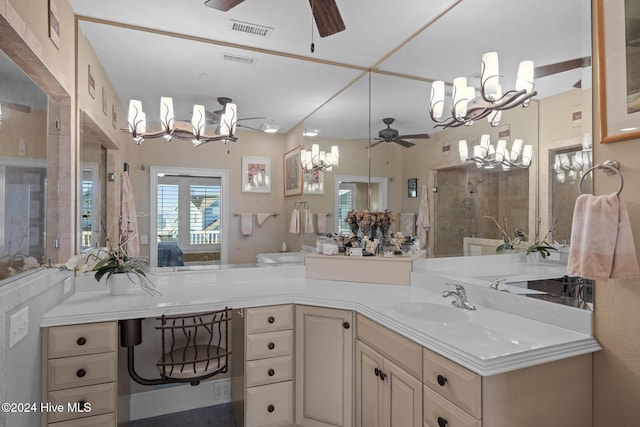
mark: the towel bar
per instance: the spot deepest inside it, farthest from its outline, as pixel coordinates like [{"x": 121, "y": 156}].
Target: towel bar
[{"x": 609, "y": 167}]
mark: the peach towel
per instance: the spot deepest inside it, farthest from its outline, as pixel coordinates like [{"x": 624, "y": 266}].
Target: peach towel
[
  {"x": 601, "y": 240},
  {"x": 423, "y": 222},
  {"x": 246, "y": 223}
]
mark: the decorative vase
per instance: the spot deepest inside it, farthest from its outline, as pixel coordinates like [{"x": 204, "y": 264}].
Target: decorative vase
[{"x": 119, "y": 283}]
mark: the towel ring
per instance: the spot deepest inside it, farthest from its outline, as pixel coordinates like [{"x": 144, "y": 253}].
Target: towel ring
[{"x": 610, "y": 167}]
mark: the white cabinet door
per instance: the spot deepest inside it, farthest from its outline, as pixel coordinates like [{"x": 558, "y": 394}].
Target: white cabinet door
[
  {"x": 369, "y": 388},
  {"x": 403, "y": 397},
  {"x": 324, "y": 367}
]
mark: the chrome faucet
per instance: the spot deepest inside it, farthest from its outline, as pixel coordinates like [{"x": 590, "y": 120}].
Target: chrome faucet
[
  {"x": 495, "y": 285},
  {"x": 460, "y": 295}
]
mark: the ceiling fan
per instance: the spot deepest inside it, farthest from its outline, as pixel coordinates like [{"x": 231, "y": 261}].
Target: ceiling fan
[
  {"x": 390, "y": 135},
  {"x": 212, "y": 117},
  {"x": 325, "y": 13}
]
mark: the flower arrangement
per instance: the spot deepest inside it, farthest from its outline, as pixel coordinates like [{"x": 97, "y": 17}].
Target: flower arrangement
[
  {"x": 515, "y": 239},
  {"x": 369, "y": 222}
]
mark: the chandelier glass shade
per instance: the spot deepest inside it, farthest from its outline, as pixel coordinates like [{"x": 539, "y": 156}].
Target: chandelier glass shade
[
  {"x": 569, "y": 167},
  {"x": 467, "y": 107},
  {"x": 316, "y": 160},
  {"x": 488, "y": 156},
  {"x": 196, "y": 131}
]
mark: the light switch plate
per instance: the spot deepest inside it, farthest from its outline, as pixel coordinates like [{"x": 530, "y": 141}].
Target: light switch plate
[{"x": 18, "y": 326}]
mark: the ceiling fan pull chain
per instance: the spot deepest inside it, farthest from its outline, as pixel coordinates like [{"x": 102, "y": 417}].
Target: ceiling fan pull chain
[{"x": 313, "y": 45}]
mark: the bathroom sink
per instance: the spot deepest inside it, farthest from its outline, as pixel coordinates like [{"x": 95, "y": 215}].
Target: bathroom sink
[{"x": 431, "y": 312}]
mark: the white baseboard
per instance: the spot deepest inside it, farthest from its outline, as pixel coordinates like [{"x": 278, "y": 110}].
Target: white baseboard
[{"x": 177, "y": 398}]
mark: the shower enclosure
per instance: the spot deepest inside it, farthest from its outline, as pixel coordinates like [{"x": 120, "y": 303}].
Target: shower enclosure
[{"x": 466, "y": 194}]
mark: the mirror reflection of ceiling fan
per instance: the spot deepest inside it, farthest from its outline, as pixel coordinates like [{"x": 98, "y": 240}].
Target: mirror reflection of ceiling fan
[
  {"x": 389, "y": 135},
  {"x": 325, "y": 13},
  {"x": 213, "y": 117}
]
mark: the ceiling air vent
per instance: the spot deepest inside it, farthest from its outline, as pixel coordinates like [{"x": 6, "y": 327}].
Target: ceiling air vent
[
  {"x": 246, "y": 27},
  {"x": 239, "y": 58}
]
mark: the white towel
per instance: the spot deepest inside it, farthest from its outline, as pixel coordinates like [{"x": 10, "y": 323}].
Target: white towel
[
  {"x": 601, "y": 240},
  {"x": 294, "y": 225},
  {"x": 408, "y": 223},
  {"x": 129, "y": 222},
  {"x": 322, "y": 223},
  {"x": 423, "y": 216},
  {"x": 308, "y": 221},
  {"x": 246, "y": 223},
  {"x": 262, "y": 217}
]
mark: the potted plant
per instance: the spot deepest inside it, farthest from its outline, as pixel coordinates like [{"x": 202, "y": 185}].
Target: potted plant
[
  {"x": 540, "y": 246},
  {"x": 121, "y": 270}
]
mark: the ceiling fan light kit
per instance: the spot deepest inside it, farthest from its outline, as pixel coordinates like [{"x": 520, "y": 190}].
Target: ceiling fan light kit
[
  {"x": 467, "y": 107},
  {"x": 195, "y": 131},
  {"x": 486, "y": 156},
  {"x": 315, "y": 160}
]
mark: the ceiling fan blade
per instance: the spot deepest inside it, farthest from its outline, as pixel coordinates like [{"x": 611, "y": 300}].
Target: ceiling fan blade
[
  {"x": 223, "y": 5},
  {"x": 559, "y": 67},
  {"x": 375, "y": 143},
  {"x": 247, "y": 127},
  {"x": 327, "y": 17},
  {"x": 415, "y": 136},
  {"x": 404, "y": 143},
  {"x": 251, "y": 118}
]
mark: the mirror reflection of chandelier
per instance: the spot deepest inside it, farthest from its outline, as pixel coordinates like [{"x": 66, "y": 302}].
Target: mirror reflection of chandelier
[
  {"x": 319, "y": 160},
  {"x": 196, "y": 131},
  {"x": 485, "y": 155},
  {"x": 570, "y": 166},
  {"x": 466, "y": 107}
]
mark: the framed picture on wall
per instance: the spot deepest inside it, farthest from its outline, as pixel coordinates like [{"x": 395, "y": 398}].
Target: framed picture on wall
[
  {"x": 54, "y": 25},
  {"x": 617, "y": 29},
  {"x": 292, "y": 172},
  {"x": 256, "y": 174},
  {"x": 412, "y": 188},
  {"x": 313, "y": 182}
]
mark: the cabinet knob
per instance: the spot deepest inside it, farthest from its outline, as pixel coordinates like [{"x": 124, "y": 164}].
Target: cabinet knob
[
  {"x": 442, "y": 380},
  {"x": 346, "y": 325},
  {"x": 442, "y": 422},
  {"x": 81, "y": 373},
  {"x": 271, "y": 372},
  {"x": 271, "y": 319},
  {"x": 376, "y": 371},
  {"x": 81, "y": 341},
  {"x": 271, "y": 408},
  {"x": 271, "y": 346},
  {"x": 382, "y": 376}
]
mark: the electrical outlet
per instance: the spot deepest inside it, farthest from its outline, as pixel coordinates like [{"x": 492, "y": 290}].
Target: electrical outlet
[{"x": 18, "y": 326}]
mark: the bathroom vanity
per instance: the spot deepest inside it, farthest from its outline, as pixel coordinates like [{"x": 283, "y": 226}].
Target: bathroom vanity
[{"x": 349, "y": 353}]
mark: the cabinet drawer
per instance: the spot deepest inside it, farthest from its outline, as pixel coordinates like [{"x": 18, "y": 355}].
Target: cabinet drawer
[
  {"x": 76, "y": 340},
  {"x": 459, "y": 385},
  {"x": 401, "y": 350},
  {"x": 79, "y": 371},
  {"x": 436, "y": 406},
  {"x": 268, "y": 371},
  {"x": 270, "y": 405},
  {"x": 102, "y": 398},
  {"x": 107, "y": 420},
  {"x": 270, "y": 344},
  {"x": 269, "y": 319}
]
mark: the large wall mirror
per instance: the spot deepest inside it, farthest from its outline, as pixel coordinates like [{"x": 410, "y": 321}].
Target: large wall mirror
[{"x": 23, "y": 169}]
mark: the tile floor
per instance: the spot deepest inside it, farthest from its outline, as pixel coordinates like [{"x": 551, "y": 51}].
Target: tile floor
[{"x": 212, "y": 416}]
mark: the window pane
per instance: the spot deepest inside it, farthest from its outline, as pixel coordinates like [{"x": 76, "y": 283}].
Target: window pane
[
  {"x": 346, "y": 204},
  {"x": 167, "y": 228},
  {"x": 204, "y": 215}
]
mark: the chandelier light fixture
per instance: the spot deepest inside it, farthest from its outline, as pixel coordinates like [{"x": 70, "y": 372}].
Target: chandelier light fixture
[
  {"x": 467, "y": 107},
  {"x": 485, "y": 155},
  {"x": 315, "y": 160},
  {"x": 196, "y": 131},
  {"x": 570, "y": 167}
]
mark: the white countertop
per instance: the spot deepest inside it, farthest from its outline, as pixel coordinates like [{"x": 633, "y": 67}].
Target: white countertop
[{"x": 488, "y": 342}]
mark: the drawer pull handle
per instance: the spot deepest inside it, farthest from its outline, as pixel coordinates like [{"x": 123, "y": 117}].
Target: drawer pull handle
[
  {"x": 81, "y": 373},
  {"x": 271, "y": 319},
  {"x": 271, "y": 372},
  {"x": 346, "y": 325},
  {"x": 81, "y": 341},
  {"x": 271, "y": 346},
  {"x": 442, "y": 422},
  {"x": 442, "y": 380},
  {"x": 271, "y": 408}
]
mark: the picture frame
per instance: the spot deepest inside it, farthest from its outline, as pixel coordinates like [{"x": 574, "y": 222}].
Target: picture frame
[
  {"x": 292, "y": 172},
  {"x": 54, "y": 24},
  {"x": 313, "y": 182},
  {"x": 412, "y": 188},
  {"x": 91, "y": 82},
  {"x": 256, "y": 174},
  {"x": 619, "y": 109}
]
